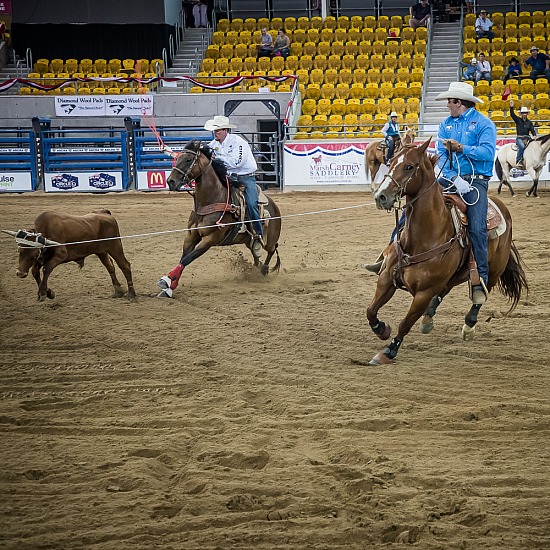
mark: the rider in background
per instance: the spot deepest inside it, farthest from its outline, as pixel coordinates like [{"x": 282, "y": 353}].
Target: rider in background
[
  {"x": 524, "y": 128},
  {"x": 391, "y": 135},
  {"x": 236, "y": 154},
  {"x": 466, "y": 146}
]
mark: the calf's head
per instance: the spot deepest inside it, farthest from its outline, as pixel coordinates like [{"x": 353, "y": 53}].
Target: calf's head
[{"x": 27, "y": 256}]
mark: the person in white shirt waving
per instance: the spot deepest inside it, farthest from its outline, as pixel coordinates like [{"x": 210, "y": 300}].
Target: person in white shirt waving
[{"x": 236, "y": 154}]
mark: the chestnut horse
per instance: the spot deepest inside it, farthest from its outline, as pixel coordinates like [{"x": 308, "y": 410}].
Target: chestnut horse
[
  {"x": 427, "y": 259},
  {"x": 212, "y": 211},
  {"x": 375, "y": 153}
]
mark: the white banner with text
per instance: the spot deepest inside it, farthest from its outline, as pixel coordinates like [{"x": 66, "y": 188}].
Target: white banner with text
[{"x": 104, "y": 105}]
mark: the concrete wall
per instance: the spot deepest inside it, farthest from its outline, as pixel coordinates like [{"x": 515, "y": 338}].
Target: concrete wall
[{"x": 169, "y": 110}]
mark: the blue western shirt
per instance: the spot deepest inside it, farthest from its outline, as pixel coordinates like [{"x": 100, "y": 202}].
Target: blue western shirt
[{"x": 478, "y": 136}]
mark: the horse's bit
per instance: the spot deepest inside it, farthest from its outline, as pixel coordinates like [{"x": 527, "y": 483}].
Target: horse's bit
[{"x": 185, "y": 175}]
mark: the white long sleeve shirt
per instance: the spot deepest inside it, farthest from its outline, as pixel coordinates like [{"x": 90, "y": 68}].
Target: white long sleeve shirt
[{"x": 235, "y": 152}]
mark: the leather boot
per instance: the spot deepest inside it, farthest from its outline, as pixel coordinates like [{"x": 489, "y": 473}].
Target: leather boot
[
  {"x": 375, "y": 267},
  {"x": 479, "y": 294}
]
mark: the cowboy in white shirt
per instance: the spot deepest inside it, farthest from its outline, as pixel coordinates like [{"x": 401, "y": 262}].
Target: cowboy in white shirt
[
  {"x": 483, "y": 70},
  {"x": 483, "y": 26},
  {"x": 236, "y": 154}
]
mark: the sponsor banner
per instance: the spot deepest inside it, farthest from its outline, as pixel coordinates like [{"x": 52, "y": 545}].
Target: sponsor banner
[
  {"x": 15, "y": 181},
  {"x": 152, "y": 180},
  {"x": 6, "y": 150},
  {"x": 310, "y": 164},
  {"x": 319, "y": 164},
  {"x": 105, "y": 105},
  {"x": 83, "y": 181}
]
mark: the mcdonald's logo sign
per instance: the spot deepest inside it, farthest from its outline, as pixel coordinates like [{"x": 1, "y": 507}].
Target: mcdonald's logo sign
[{"x": 156, "y": 180}]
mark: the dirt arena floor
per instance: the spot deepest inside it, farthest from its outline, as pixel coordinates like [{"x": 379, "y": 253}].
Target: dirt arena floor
[{"x": 243, "y": 413}]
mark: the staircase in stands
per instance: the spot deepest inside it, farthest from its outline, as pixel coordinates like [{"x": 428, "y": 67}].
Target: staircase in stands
[
  {"x": 188, "y": 57},
  {"x": 442, "y": 70}
]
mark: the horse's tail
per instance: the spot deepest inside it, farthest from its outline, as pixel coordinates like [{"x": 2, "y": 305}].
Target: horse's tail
[
  {"x": 277, "y": 265},
  {"x": 498, "y": 168},
  {"x": 513, "y": 281}
]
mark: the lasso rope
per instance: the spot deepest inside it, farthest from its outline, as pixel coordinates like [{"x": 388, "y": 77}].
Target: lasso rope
[{"x": 170, "y": 231}]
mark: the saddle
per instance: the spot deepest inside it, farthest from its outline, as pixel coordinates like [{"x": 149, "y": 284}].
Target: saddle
[
  {"x": 496, "y": 224},
  {"x": 382, "y": 145},
  {"x": 239, "y": 204}
]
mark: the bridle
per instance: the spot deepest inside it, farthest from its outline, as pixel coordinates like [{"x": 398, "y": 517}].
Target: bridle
[{"x": 186, "y": 174}]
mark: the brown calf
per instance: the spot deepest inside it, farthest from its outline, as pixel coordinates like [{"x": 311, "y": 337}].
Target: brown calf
[{"x": 66, "y": 228}]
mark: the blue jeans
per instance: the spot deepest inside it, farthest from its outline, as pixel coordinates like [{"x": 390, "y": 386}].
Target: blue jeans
[
  {"x": 477, "y": 224},
  {"x": 485, "y": 34},
  {"x": 390, "y": 142},
  {"x": 521, "y": 147},
  {"x": 251, "y": 198}
]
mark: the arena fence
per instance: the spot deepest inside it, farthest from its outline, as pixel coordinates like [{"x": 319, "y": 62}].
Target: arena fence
[{"x": 18, "y": 155}]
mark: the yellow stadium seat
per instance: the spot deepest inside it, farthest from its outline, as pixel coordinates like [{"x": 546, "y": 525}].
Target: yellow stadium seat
[
  {"x": 41, "y": 66},
  {"x": 335, "y": 123},
  {"x": 341, "y": 34},
  {"x": 374, "y": 75},
  {"x": 483, "y": 88},
  {"x": 321, "y": 62},
  {"x": 367, "y": 35},
  {"x": 306, "y": 62},
  {"x": 319, "y": 123},
  {"x": 222, "y": 64},
  {"x": 497, "y": 72},
  {"x": 371, "y": 90},
  {"x": 411, "y": 119},
  {"x": 305, "y": 121},
  {"x": 354, "y": 34},
  {"x": 342, "y": 90},
  {"x": 240, "y": 50},
  {"x": 353, "y": 106},
  {"x": 417, "y": 75},
  {"x": 351, "y": 48},
  {"x": 388, "y": 75},
  {"x": 213, "y": 51},
  {"x": 338, "y": 48},
  {"x": 292, "y": 62},
  {"x": 365, "y": 122},
  {"x": 71, "y": 65},
  {"x": 237, "y": 25},
  {"x": 412, "y": 105},
  {"x": 528, "y": 100},
  {"x": 541, "y": 85},
  {"x": 497, "y": 87},
  {"x": 377, "y": 61},
  {"x": 357, "y": 91},
  {"x": 328, "y": 91},
  {"x": 313, "y": 35},
  {"x": 324, "y": 106},
  {"x": 313, "y": 91},
  {"x": 338, "y": 106},
  {"x": 348, "y": 62},
  {"x": 360, "y": 75},
  {"x": 526, "y": 86},
  {"x": 309, "y": 106},
  {"x": 497, "y": 103},
  {"x": 278, "y": 63},
  {"x": 415, "y": 89},
  {"x": 316, "y": 22},
  {"x": 386, "y": 90},
  {"x": 390, "y": 61},
  {"x": 401, "y": 90},
  {"x": 351, "y": 122},
  {"x": 365, "y": 47},
  {"x": 368, "y": 106}
]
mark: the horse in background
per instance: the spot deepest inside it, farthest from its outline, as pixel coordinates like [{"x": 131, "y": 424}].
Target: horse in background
[
  {"x": 375, "y": 153},
  {"x": 534, "y": 157},
  {"x": 430, "y": 256},
  {"x": 215, "y": 220}
]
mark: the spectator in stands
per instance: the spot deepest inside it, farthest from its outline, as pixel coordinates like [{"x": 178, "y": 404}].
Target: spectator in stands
[
  {"x": 469, "y": 72},
  {"x": 200, "y": 15},
  {"x": 483, "y": 71},
  {"x": 235, "y": 152},
  {"x": 539, "y": 62},
  {"x": 391, "y": 135},
  {"x": 524, "y": 128},
  {"x": 282, "y": 44},
  {"x": 514, "y": 69},
  {"x": 265, "y": 47},
  {"x": 483, "y": 26},
  {"x": 420, "y": 14}
]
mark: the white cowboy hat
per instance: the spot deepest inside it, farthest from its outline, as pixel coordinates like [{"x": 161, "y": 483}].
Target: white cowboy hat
[
  {"x": 219, "y": 122},
  {"x": 474, "y": 61},
  {"x": 524, "y": 110},
  {"x": 393, "y": 113},
  {"x": 459, "y": 90}
]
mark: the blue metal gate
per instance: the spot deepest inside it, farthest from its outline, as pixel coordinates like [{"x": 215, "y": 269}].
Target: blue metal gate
[{"x": 18, "y": 171}]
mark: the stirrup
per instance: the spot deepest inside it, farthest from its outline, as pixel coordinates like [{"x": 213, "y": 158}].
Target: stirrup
[
  {"x": 479, "y": 294},
  {"x": 257, "y": 245}
]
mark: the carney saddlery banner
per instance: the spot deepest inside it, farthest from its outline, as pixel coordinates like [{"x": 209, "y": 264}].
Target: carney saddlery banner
[
  {"x": 318, "y": 164},
  {"x": 104, "y": 105}
]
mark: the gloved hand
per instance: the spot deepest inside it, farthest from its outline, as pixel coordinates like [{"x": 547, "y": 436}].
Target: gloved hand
[
  {"x": 453, "y": 145},
  {"x": 462, "y": 186}
]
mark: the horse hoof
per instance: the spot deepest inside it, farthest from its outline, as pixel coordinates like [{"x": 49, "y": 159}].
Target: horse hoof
[
  {"x": 118, "y": 293},
  {"x": 380, "y": 359},
  {"x": 166, "y": 293},
  {"x": 527, "y": 194},
  {"x": 386, "y": 334},
  {"x": 41, "y": 297},
  {"x": 50, "y": 294},
  {"x": 468, "y": 333},
  {"x": 163, "y": 282},
  {"x": 427, "y": 325},
  {"x": 264, "y": 270}
]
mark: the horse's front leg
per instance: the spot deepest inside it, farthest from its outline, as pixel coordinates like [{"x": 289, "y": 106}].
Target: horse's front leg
[
  {"x": 427, "y": 323},
  {"x": 419, "y": 305},
  {"x": 385, "y": 289},
  {"x": 170, "y": 282},
  {"x": 470, "y": 321}
]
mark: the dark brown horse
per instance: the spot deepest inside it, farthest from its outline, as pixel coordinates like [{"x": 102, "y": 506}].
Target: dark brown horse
[
  {"x": 428, "y": 259},
  {"x": 212, "y": 211},
  {"x": 375, "y": 154}
]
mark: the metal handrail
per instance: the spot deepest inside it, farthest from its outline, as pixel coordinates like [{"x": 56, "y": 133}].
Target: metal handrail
[
  {"x": 171, "y": 46},
  {"x": 164, "y": 60},
  {"x": 28, "y": 58}
]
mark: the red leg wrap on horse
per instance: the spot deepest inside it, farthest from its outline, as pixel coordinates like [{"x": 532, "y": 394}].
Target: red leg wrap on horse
[{"x": 175, "y": 275}]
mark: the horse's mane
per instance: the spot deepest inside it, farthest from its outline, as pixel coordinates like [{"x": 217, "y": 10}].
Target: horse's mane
[
  {"x": 543, "y": 139},
  {"x": 219, "y": 166}
]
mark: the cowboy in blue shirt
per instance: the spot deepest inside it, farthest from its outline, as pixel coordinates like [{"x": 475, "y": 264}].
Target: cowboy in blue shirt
[{"x": 470, "y": 138}]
